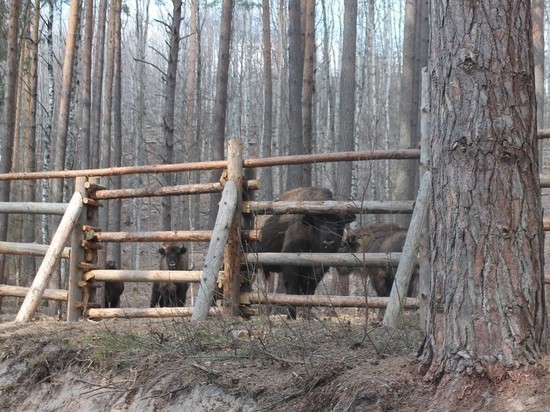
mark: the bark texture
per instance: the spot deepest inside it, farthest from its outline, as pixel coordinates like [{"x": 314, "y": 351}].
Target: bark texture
[{"x": 487, "y": 308}]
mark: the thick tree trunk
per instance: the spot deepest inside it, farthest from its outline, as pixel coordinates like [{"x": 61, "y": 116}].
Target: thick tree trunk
[
  {"x": 308, "y": 85},
  {"x": 487, "y": 308}
]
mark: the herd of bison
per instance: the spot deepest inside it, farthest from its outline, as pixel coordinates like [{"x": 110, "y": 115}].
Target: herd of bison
[{"x": 290, "y": 233}]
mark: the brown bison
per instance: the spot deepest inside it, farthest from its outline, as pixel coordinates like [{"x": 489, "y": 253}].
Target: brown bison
[
  {"x": 170, "y": 294},
  {"x": 113, "y": 290},
  {"x": 294, "y": 233},
  {"x": 381, "y": 238}
]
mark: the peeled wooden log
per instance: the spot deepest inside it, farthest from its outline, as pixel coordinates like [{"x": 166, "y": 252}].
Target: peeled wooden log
[
  {"x": 29, "y": 249},
  {"x": 33, "y": 208},
  {"x": 328, "y": 207},
  {"x": 104, "y": 313},
  {"x": 328, "y": 259},
  {"x": 326, "y": 301},
  {"x": 21, "y": 291},
  {"x": 102, "y": 275}
]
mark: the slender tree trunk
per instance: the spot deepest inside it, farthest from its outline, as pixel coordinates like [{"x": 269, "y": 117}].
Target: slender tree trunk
[
  {"x": 107, "y": 139},
  {"x": 8, "y": 118},
  {"x": 403, "y": 181},
  {"x": 168, "y": 116},
  {"x": 116, "y": 224},
  {"x": 97, "y": 87},
  {"x": 266, "y": 175},
  {"x": 487, "y": 311},
  {"x": 86, "y": 50},
  {"x": 308, "y": 85},
  {"x": 295, "y": 79},
  {"x": 193, "y": 145},
  {"x": 62, "y": 122},
  {"x": 220, "y": 105}
]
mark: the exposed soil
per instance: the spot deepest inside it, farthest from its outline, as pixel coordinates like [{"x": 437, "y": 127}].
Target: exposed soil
[{"x": 325, "y": 363}]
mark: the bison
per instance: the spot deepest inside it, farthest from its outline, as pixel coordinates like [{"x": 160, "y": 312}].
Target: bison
[
  {"x": 380, "y": 238},
  {"x": 294, "y": 233},
  {"x": 113, "y": 290},
  {"x": 170, "y": 294}
]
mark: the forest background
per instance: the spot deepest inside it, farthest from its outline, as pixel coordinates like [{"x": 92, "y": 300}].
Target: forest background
[{"x": 108, "y": 83}]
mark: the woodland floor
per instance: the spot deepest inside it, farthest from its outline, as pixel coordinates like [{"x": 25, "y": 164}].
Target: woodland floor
[{"x": 342, "y": 362}]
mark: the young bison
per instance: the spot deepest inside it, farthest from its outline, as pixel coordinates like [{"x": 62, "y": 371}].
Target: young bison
[
  {"x": 113, "y": 290},
  {"x": 294, "y": 233},
  {"x": 381, "y": 238},
  {"x": 170, "y": 294}
]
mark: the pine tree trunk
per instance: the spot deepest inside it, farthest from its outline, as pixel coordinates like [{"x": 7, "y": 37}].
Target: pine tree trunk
[{"x": 487, "y": 308}]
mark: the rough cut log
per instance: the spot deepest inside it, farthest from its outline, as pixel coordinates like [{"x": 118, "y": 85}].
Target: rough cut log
[
  {"x": 543, "y": 133},
  {"x": 214, "y": 256},
  {"x": 29, "y": 249},
  {"x": 102, "y": 275},
  {"x": 168, "y": 236},
  {"x": 33, "y": 208},
  {"x": 51, "y": 259},
  {"x": 127, "y": 313},
  {"x": 328, "y": 259},
  {"x": 326, "y": 301},
  {"x": 158, "y": 191},
  {"x": 59, "y": 295},
  {"x": 408, "y": 256},
  {"x": 328, "y": 207},
  {"x": 546, "y": 224},
  {"x": 217, "y": 164}
]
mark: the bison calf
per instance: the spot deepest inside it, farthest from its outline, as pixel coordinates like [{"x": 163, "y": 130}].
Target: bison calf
[
  {"x": 381, "y": 238},
  {"x": 113, "y": 290},
  {"x": 170, "y": 294}
]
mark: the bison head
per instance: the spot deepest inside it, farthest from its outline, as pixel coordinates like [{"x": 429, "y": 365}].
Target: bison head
[{"x": 172, "y": 253}]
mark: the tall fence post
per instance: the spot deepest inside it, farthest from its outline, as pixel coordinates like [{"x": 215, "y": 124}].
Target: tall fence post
[
  {"x": 424, "y": 247},
  {"x": 232, "y": 254},
  {"x": 77, "y": 256}
]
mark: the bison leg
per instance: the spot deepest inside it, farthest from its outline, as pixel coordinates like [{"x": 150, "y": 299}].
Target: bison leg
[{"x": 155, "y": 295}]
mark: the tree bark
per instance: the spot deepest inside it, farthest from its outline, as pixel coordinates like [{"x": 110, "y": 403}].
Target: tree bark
[
  {"x": 487, "y": 310},
  {"x": 295, "y": 79},
  {"x": 168, "y": 116},
  {"x": 220, "y": 105},
  {"x": 308, "y": 85},
  {"x": 266, "y": 175},
  {"x": 8, "y": 117}
]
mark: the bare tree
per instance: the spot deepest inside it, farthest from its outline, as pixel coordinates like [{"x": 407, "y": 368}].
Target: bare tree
[
  {"x": 8, "y": 118},
  {"x": 295, "y": 78},
  {"x": 266, "y": 175},
  {"x": 308, "y": 84},
  {"x": 487, "y": 311},
  {"x": 169, "y": 104},
  {"x": 220, "y": 104}
]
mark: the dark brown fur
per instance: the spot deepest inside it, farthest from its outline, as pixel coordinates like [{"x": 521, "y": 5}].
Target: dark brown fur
[
  {"x": 293, "y": 233},
  {"x": 170, "y": 294},
  {"x": 113, "y": 290},
  {"x": 381, "y": 238}
]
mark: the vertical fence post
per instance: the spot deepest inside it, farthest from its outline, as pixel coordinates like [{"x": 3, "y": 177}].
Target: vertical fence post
[
  {"x": 424, "y": 247},
  {"x": 232, "y": 255},
  {"x": 77, "y": 256}
]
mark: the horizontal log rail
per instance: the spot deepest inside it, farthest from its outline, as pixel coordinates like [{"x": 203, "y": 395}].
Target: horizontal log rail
[
  {"x": 327, "y": 300},
  {"x": 33, "y": 208},
  {"x": 29, "y": 249},
  {"x": 127, "y": 313},
  {"x": 143, "y": 275},
  {"x": 157, "y": 191},
  {"x": 172, "y": 236},
  {"x": 328, "y": 207},
  {"x": 217, "y": 164},
  {"x": 59, "y": 295},
  {"x": 327, "y": 259}
]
